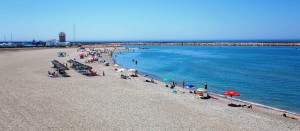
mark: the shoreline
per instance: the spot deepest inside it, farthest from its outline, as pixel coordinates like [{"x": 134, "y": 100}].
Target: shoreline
[
  {"x": 111, "y": 103},
  {"x": 219, "y": 96},
  {"x": 257, "y": 104}
]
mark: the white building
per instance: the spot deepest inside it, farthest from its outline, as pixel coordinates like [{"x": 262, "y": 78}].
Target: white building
[
  {"x": 54, "y": 42},
  {"x": 51, "y": 42},
  {"x": 62, "y": 43}
]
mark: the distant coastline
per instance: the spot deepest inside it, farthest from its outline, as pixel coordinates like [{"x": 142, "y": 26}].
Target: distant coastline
[
  {"x": 117, "y": 44},
  {"x": 188, "y": 43},
  {"x": 215, "y": 43}
]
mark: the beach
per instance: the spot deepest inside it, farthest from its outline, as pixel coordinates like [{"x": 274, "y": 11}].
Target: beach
[{"x": 30, "y": 100}]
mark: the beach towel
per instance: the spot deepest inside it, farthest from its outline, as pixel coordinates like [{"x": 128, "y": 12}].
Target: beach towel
[{"x": 174, "y": 92}]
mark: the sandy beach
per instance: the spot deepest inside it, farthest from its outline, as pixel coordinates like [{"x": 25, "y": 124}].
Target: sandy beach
[{"x": 30, "y": 100}]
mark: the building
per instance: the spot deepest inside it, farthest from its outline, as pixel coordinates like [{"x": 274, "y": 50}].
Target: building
[
  {"x": 60, "y": 42},
  {"x": 51, "y": 42},
  {"x": 62, "y": 37}
]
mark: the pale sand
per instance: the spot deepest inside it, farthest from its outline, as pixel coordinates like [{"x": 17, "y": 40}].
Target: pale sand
[{"x": 30, "y": 100}]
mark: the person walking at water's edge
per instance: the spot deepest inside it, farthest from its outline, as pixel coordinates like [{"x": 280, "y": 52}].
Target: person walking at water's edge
[
  {"x": 183, "y": 83},
  {"x": 205, "y": 85}
]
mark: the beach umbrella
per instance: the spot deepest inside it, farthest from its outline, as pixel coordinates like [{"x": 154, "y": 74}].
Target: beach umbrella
[
  {"x": 121, "y": 70},
  {"x": 166, "y": 79},
  {"x": 189, "y": 86},
  {"x": 132, "y": 70},
  {"x": 231, "y": 93},
  {"x": 202, "y": 90}
]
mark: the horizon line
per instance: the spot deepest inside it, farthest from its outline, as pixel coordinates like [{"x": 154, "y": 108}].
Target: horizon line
[{"x": 258, "y": 40}]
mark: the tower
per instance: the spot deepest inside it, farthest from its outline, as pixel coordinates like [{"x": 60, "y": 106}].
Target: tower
[{"x": 62, "y": 37}]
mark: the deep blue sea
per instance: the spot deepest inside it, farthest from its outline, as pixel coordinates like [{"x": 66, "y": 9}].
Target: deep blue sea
[{"x": 264, "y": 75}]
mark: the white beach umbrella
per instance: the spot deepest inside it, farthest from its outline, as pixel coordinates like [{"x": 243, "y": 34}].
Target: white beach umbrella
[
  {"x": 132, "y": 70},
  {"x": 121, "y": 70},
  {"x": 201, "y": 89}
]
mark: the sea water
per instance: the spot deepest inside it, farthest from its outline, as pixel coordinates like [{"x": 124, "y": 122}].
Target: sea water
[{"x": 264, "y": 75}]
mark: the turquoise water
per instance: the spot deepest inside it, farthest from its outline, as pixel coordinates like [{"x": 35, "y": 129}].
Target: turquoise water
[{"x": 264, "y": 75}]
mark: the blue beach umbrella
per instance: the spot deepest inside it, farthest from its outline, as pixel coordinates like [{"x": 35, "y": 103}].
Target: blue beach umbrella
[{"x": 189, "y": 86}]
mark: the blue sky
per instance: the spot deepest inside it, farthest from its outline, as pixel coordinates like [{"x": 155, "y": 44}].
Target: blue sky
[{"x": 149, "y": 20}]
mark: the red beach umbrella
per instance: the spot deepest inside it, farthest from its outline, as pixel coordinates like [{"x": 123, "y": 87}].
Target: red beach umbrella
[
  {"x": 81, "y": 54},
  {"x": 231, "y": 93}
]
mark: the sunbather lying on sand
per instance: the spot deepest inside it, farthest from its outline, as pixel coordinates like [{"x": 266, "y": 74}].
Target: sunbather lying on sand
[
  {"x": 134, "y": 75},
  {"x": 235, "y": 105},
  {"x": 151, "y": 81},
  {"x": 54, "y": 74},
  {"x": 198, "y": 93},
  {"x": 284, "y": 115},
  {"x": 204, "y": 96},
  {"x": 125, "y": 77},
  {"x": 214, "y": 98}
]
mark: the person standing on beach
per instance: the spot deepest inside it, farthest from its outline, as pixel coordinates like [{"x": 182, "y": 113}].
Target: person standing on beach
[
  {"x": 172, "y": 85},
  {"x": 103, "y": 73},
  {"x": 183, "y": 83},
  {"x": 205, "y": 85}
]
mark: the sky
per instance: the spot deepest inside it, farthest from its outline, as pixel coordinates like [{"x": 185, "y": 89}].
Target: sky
[{"x": 150, "y": 20}]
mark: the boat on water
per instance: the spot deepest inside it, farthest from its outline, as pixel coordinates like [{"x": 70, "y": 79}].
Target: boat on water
[{"x": 8, "y": 45}]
